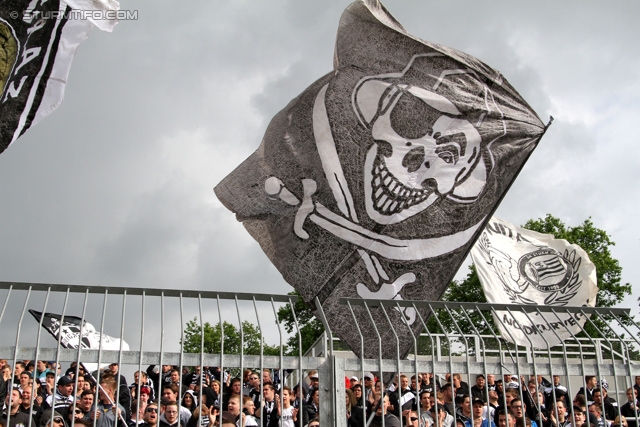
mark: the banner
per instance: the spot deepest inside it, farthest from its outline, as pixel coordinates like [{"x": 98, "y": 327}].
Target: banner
[
  {"x": 520, "y": 266},
  {"x": 376, "y": 180},
  {"x": 38, "y": 40},
  {"x": 72, "y": 333}
]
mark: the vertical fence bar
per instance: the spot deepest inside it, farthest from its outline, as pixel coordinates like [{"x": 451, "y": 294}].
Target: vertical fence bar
[
  {"x": 363, "y": 397},
  {"x": 64, "y": 310},
  {"x": 15, "y": 354},
  {"x": 300, "y": 390},
  {"x": 375, "y": 328},
  {"x": 261, "y": 356},
  {"x": 242, "y": 349},
  {"x": 281, "y": 362},
  {"x": 139, "y": 385},
  {"x": 329, "y": 359},
  {"x": 223, "y": 382},
  {"x": 36, "y": 356}
]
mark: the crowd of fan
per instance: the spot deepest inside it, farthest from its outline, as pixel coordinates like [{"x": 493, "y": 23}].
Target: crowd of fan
[
  {"x": 490, "y": 402},
  {"x": 38, "y": 395}
]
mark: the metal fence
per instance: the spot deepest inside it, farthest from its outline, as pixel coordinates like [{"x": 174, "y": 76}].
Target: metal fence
[{"x": 457, "y": 338}]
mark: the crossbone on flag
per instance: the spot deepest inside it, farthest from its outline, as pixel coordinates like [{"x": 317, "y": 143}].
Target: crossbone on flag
[
  {"x": 376, "y": 180},
  {"x": 38, "y": 40},
  {"x": 520, "y": 266}
]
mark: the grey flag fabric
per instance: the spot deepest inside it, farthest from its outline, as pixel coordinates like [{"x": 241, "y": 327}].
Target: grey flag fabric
[
  {"x": 38, "y": 40},
  {"x": 376, "y": 180},
  {"x": 520, "y": 266}
]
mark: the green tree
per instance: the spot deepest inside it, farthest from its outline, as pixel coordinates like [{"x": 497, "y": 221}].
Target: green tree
[
  {"x": 250, "y": 339},
  {"x": 310, "y": 328}
]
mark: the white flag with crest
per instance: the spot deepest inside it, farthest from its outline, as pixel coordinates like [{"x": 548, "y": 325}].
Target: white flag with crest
[{"x": 520, "y": 266}]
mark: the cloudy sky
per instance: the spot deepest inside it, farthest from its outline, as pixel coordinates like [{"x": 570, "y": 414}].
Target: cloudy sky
[{"x": 116, "y": 187}]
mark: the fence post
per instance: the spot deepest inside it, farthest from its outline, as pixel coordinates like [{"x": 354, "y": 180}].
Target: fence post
[
  {"x": 340, "y": 413},
  {"x": 327, "y": 395}
]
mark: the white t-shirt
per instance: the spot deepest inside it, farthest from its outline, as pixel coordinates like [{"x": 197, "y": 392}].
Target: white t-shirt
[{"x": 287, "y": 417}]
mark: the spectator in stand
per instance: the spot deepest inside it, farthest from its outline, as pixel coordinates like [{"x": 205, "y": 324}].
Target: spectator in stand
[
  {"x": 289, "y": 415},
  {"x": 406, "y": 398},
  {"x": 171, "y": 415},
  {"x": 254, "y": 391},
  {"x": 578, "y": 415},
  {"x": 580, "y": 401},
  {"x": 12, "y": 403},
  {"x": 5, "y": 381},
  {"x": 150, "y": 415},
  {"x": 427, "y": 383},
  {"x": 234, "y": 407},
  {"x": 141, "y": 379},
  {"x": 25, "y": 380},
  {"x": 636, "y": 386},
  {"x": 596, "y": 410},
  {"x": 561, "y": 419},
  {"x": 477, "y": 419},
  {"x": 189, "y": 400},
  {"x": 234, "y": 388},
  {"x": 478, "y": 391},
  {"x": 170, "y": 394},
  {"x": 630, "y": 409},
  {"x": 249, "y": 409},
  {"x": 215, "y": 386},
  {"x": 313, "y": 407},
  {"x": 491, "y": 382},
  {"x": 106, "y": 412},
  {"x": 381, "y": 406},
  {"x": 62, "y": 398},
  {"x": 353, "y": 381},
  {"x": 556, "y": 388},
  {"x": 313, "y": 384},
  {"x": 360, "y": 401},
  {"x": 159, "y": 379},
  {"x": 610, "y": 411},
  {"x": 84, "y": 404},
  {"x": 49, "y": 386},
  {"x": 504, "y": 419},
  {"x": 447, "y": 396},
  {"x": 461, "y": 387},
  {"x": 591, "y": 383},
  {"x": 442, "y": 419},
  {"x": 620, "y": 421},
  {"x": 368, "y": 387},
  {"x": 19, "y": 368},
  {"x": 41, "y": 370},
  {"x": 489, "y": 411},
  {"x": 463, "y": 409},
  {"x": 26, "y": 406},
  {"x": 246, "y": 381},
  {"x": 269, "y": 411}
]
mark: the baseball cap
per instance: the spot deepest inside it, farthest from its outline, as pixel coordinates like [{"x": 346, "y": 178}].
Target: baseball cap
[{"x": 65, "y": 380}]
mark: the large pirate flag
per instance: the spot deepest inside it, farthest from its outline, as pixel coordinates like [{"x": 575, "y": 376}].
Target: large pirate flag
[
  {"x": 520, "y": 266},
  {"x": 377, "y": 179},
  {"x": 73, "y": 333},
  {"x": 38, "y": 40}
]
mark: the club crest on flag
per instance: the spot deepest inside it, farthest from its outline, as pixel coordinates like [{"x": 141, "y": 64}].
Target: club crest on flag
[
  {"x": 540, "y": 271},
  {"x": 376, "y": 180},
  {"x": 520, "y": 266}
]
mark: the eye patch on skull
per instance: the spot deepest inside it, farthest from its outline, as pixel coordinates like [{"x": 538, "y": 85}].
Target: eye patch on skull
[{"x": 412, "y": 118}]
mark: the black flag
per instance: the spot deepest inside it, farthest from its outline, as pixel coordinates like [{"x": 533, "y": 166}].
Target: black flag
[
  {"x": 73, "y": 332},
  {"x": 377, "y": 179},
  {"x": 38, "y": 40}
]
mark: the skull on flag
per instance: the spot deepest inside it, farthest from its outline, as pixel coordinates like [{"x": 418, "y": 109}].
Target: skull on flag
[{"x": 376, "y": 180}]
